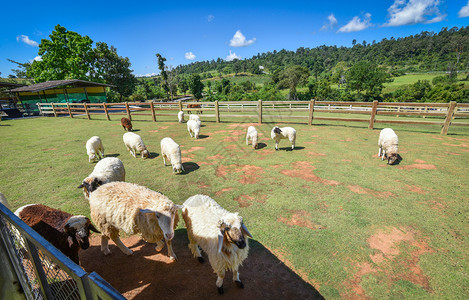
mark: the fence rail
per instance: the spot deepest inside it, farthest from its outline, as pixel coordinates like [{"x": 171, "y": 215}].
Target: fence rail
[
  {"x": 43, "y": 271},
  {"x": 441, "y": 113}
]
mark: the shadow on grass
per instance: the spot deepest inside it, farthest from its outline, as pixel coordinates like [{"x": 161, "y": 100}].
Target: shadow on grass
[
  {"x": 261, "y": 145},
  {"x": 113, "y": 155},
  {"x": 153, "y": 155},
  {"x": 189, "y": 167},
  {"x": 290, "y": 149},
  {"x": 202, "y": 136},
  {"x": 147, "y": 273}
]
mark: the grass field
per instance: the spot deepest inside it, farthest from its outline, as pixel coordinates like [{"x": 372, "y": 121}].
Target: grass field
[{"x": 339, "y": 217}]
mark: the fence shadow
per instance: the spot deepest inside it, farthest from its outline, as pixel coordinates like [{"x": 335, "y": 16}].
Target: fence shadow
[{"x": 147, "y": 273}]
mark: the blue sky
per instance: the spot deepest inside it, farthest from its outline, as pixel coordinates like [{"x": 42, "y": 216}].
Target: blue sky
[{"x": 187, "y": 31}]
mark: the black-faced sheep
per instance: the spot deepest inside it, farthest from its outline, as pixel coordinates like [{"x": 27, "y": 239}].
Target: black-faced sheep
[
  {"x": 134, "y": 143},
  {"x": 126, "y": 124},
  {"x": 106, "y": 170},
  {"x": 171, "y": 151},
  {"x": 66, "y": 232},
  {"x": 278, "y": 134},
  {"x": 220, "y": 234},
  {"x": 134, "y": 209},
  {"x": 387, "y": 145},
  {"x": 94, "y": 149}
]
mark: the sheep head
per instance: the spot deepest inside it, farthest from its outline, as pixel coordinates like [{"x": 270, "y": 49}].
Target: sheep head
[
  {"x": 392, "y": 158},
  {"x": 233, "y": 230},
  {"x": 92, "y": 157},
  {"x": 90, "y": 184},
  {"x": 275, "y": 131},
  {"x": 145, "y": 153},
  {"x": 165, "y": 219},
  {"x": 78, "y": 229},
  {"x": 178, "y": 169}
]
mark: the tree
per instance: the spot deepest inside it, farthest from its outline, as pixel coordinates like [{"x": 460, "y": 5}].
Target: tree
[
  {"x": 196, "y": 86},
  {"x": 163, "y": 73},
  {"x": 22, "y": 68},
  {"x": 367, "y": 77},
  {"x": 67, "y": 55},
  {"x": 183, "y": 84},
  {"x": 292, "y": 77}
]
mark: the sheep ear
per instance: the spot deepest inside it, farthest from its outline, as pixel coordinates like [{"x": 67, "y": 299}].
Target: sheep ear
[
  {"x": 81, "y": 186},
  {"x": 70, "y": 241},
  {"x": 245, "y": 230},
  {"x": 92, "y": 228},
  {"x": 220, "y": 242},
  {"x": 66, "y": 227}
]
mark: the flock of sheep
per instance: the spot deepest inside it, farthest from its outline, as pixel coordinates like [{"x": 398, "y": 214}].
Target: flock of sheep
[{"x": 117, "y": 205}]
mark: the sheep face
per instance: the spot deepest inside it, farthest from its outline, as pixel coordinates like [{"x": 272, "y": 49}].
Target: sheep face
[
  {"x": 277, "y": 130},
  {"x": 145, "y": 154},
  {"x": 165, "y": 220},
  {"x": 78, "y": 231},
  {"x": 92, "y": 157},
  {"x": 178, "y": 169},
  {"x": 392, "y": 158},
  {"x": 90, "y": 184},
  {"x": 255, "y": 144},
  {"x": 233, "y": 231}
]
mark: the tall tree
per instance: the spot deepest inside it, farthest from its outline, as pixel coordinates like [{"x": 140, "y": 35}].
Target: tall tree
[
  {"x": 163, "y": 73},
  {"x": 196, "y": 86},
  {"x": 22, "y": 70},
  {"x": 367, "y": 77},
  {"x": 292, "y": 77}
]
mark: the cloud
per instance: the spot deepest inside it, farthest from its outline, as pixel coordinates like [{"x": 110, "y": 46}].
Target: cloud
[
  {"x": 210, "y": 18},
  {"x": 146, "y": 75},
  {"x": 37, "y": 58},
  {"x": 239, "y": 40},
  {"x": 189, "y": 56},
  {"x": 25, "y": 39},
  {"x": 232, "y": 56},
  {"x": 464, "y": 12},
  {"x": 332, "y": 22},
  {"x": 408, "y": 12},
  {"x": 357, "y": 24}
]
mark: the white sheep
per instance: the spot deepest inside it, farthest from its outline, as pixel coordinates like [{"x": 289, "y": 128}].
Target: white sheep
[
  {"x": 194, "y": 128},
  {"x": 278, "y": 134},
  {"x": 94, "y": 148},
  {"x": 387, "y": 145},
  {"x": 181, "y": 116},
  {"x": 220, "y": 234},
  {"x": 171, "y": 151},
  {"x": 195, "y": 118},
  {"x": 252, "y": 135},
  {"x": 106, "y": 170},
  {"x": 134, "y": 143},
  {"x": 134, "y": 209}
]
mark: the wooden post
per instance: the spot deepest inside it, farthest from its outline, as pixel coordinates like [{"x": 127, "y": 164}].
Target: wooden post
[
  {"x": 39, "y": 105},
  {"x": 128, "y": 111},
  {"x": 86, "y": 110},
  {"x": 69, "y": 110},
  {"x": 217, "y": 111},
  {"x": 153, "y": 111},
  {"x": 53, "y": 109},
  {"x": 259, "y": 111},
  {"x": 311, "y": 111},
  {"x": 449, "y": 117},
  {"x": 180, "y": 105},
  {"x": 106, "y": 111},
  {"x": 426, "y": 110},
  {"x": 373, "y": 114},
  {"x": 398, "y": 110}
]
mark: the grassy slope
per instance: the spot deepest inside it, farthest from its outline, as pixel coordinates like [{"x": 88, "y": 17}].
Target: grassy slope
[{"x": 44, "y": 159}]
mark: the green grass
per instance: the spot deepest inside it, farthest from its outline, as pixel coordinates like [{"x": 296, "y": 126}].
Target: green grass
[
  {"x": 400, "y": 81},
  {"x": 44, "y": 160},
  {"x": 259, "y": 80}
]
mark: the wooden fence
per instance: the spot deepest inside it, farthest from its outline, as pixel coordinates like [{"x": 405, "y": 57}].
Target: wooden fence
[{"x": 265, "y": 111}]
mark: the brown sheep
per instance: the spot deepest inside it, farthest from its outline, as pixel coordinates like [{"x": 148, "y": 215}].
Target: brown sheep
[{"x": 126, "y": 124}]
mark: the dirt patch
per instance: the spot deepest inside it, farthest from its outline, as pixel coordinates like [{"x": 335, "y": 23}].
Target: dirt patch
[
  {"x": 244, "y": 125},
  {"x": 164, "y": 127},
  {"x": 418, "y": 166},
  {"x": 237, "y": 132},
  {"x": 230, "y": 139},
  {"x": 249, "y": 174},
  {"x": 49, "y": 149},
  {"x": 232, "y": 147},
  {"x": 304, "y": 170},
  {"x": 354, "y": 289},
  {"x": 152, "y": 131},
  {"x": 223, "y": 191},
  {"x": 419, "y": 161},
  {"x": 277, "y": 166},
  {"x": 186, "y": 159},
  {"x": 361, "y": 190},
  {"x": 221, "y": 171},
  {"x": 347, "y": 140},
  {"x": 148, "y": 273},
  {"x": 414, "y": 189},
  {"x": 346, "y": 160},
  {"x": 386, "y": 241},
  {"x": 202, "y": 163},
  {"x": 316, "y": 154},
  {"x": 311, "y": 143},
  {"x": 217, "y": 156},
  {"x": 456, "y": 145},
  {"x": 220, "y": 131},
  {"x": 192, "y": 150},
  {"x": 244, "y": 200},
  {"x": 300, "y": 218}
]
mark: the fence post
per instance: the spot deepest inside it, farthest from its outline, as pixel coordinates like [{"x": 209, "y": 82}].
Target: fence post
[
  {"x": 41, "y": 275},
  {"x": 259, "y": 111},
  {"x": 153, "y": 111},
  {"x": 311, "y": 111},
  {"x": 69, "y": 110},
  {"x": 180, "y": 105},
  {"x": 449, "y": 117},
  {"x": 128, "y": 111},
  {"x": 217, "y": 111},
  {"x": 86, "y": 110},
  {"x": 373, "y": 114},
  {"x": 53, "y": 109},
  {"x": 426, "y": 110},
  {"x": 106, "y": 111}
]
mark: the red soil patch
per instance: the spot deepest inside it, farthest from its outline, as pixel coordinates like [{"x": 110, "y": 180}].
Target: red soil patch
[
  {"x": 265, "y": 139},
  {"x": 418, "y": 166},
  {"x": 221, "y": 171},
  {"x": 186, "y": 159},
  {"x": 152, "y": 130},
  {"x": 277, "y": 166},
  {"x": 232, "y": 147},
  {"x": 361, "y": 190},
  {"x": 316, "y": 154},
  {"x": 220, "y": 131},
  {"x": 414, "y": 189},
  {"x": 265, "y": 151},
  {"x": 354, "y": 289},
  {"x": 386, "y": 241},
  {"x": 164, "y": 127},
  {"x": 304, "y": 170},
  {"x": 201, "y": 163},
  {"x": 237, "y": 132},
  {"x": 311, "y": 143},
  {"x": 217, "y": 156},
  {"x": 250, "y": 174},
  {"x": 436, "y": 205},
  {"x": 455, "y": 145},
  {"x": 347, "y": 140},
  {"x": 149, "y": 274},
  {"x": 300, "y": 218},
  {"x": 230, "y": 139},
  {"x": 192, "y": 150},
  {"x": 419, "y": 161},
  {"x": 244, "y": 200},
  {"x": 49, "y": 149},
  {"x": 244, "y": 125},
  {"x": 223, "y": 190},
  {"x": 347, "y": 160}
]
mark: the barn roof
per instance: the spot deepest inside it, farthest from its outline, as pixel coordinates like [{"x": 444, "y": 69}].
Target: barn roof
[{"x": 58, "y": 83}]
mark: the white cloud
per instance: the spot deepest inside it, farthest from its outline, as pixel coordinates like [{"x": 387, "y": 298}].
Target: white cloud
[
  {"x": 210, "y": 18},
  {"x": 408, "y": 12},
  {"x": 37, "y": 58},
  {"x": 239, "y": 40},
  {"x": 232, "y": 56},
  {"x": 357, "y": 24},
  {"x": 25, "y": 39},
  {"x": 332, "y": 22},
  {"x": 464, "y": 12},
  {"x": 146, "y": 75},
  {"x": 189, "y": 56}
]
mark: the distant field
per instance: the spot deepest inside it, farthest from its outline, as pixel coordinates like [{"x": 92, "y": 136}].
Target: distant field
[
  {"x": 413, "y": 78},
  {"x": 348, "y": 224},
  {"x": 257, "y": 79}
]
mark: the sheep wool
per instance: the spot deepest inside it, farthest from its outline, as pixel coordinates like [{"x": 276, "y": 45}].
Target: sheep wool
[
  {"x": 194, "y": 128},
  {"x": 252, "y": 135},
  {"x": 107, "y": 170},
  {"x": 171, "y": 151},
  {"x": 135, "y": 143},
  {"x": 278, "y": 134},
  {"x": 387, "y": 145},
  {"x": 181, "y": 116},
  {"x": 195, "y": 118},
  {"x": 94, "y": 149}
]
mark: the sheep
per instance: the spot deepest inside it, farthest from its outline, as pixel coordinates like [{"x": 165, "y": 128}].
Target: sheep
[
  {"x": 66, "y": 232},
  {"x": 134, "y": 143},
  {"x": 387, "y": 145},
  {"x": 171, "y": 151},
  {"x": 194, "y": 128},
  {"x": 220, "y": 234},
  {"x": 134, "y": 209},
  {"x": 106, "y": 170},
  {"x": 181, "y": 116},
  {"x": 195, "y": 118},
  {"x": 278, "y": 134},
  {"x": 252, "y": 134},
  {"x": 3, "y": 200},
  {"x": 94, "y": 149},
  {"x": 126, "y": 124}
]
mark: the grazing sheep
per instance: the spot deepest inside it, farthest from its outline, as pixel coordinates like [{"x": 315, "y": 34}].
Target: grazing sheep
[
  {"x": 252, "y": 134},
  {"x": 3, "y": 200},
  {"x": 195, "y": 118},
  {"x": 94, "y": 148},
  {"x": 194, "y": 128},
  {"x": 106, "y": 170},
  {"x": 126, "y": 124},
  {"x": 134, "y": 143},
  {"x": 134, "y": 209},
  {"x": 66, "y": 232},
  {"x": 171, "y": 151},
  {"x": 387, "y": 144},
  {"x": 220, "y": 234},
  {"x": 278, "y": 134},
  {"x": 181, "y": 116}
]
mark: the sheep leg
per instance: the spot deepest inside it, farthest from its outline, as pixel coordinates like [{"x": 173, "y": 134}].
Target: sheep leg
[
  {"x": 276, "y": 145},
  {"x": 236, "y": 279},
  {"x": 384, "y": 153},
  {"x": 247, "y": 140},
  {"x": 133, "y": 153},
  {"x": 115, "y": 238},
  {"x": 219, "y": 283},
  {"x": 105, "y": 245},
  {"x": 379, "y": 152},
  {"x": 164, "y": 160},
  {"x": 171, "y": 254},
  {"x": 159, "y": 246}
]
